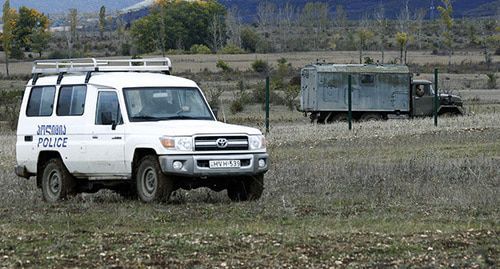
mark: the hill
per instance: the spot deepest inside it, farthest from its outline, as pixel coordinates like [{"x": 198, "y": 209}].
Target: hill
[{"x": 248, "y": 8}]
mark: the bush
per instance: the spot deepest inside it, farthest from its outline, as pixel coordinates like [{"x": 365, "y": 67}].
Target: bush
[
  {"x": 291, "y": 93},
  {"x": 125, "y": 49},
  {"x": 236, "y": 106},
  {"x": 223, "y": 66},
  {"x": 17, "y": 53},
  {"x": 492, "y": 81},
  {"x": 231, "y": 49},
  {"x": 249, "y": 39},
  {"x": 200, "y": 49},
  {"x": 260, "y": 66},
  {"x": 368, "y": 60}
]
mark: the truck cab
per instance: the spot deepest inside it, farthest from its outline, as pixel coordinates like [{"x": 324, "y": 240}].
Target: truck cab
[
  {"x": 422, "y": 97},
  {"x": 130, "y": 126}
]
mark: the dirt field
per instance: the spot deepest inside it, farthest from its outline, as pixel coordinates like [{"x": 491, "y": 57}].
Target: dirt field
[{"x": 399, "y": 193}]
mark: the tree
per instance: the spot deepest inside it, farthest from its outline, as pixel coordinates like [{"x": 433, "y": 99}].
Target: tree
[
  {"x": 217, "y": 32},
  {"x": 7, "y": 36},
  {"x": 363, "y": 35},
  {"x": 402, "y": 39},
  {"x": 419, "y": 18},
  {"x": 340, "y": 17},
  {"x": 186, "y": 23},
  {"x": 446, "y": 13},
  {"x": 102, "y": 20},
  {"x": 249, "y": 39},
  {"x": 31, "y": 31},
  {"x": 72, "y": 35},
  {"x": 233, "y": 26},
  {"x": 403, "y": 35},
  {"x": 382, "y": 26}
]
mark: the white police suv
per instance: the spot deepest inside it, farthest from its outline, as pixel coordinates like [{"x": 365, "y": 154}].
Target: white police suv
[{"x": 129, "y": 126}]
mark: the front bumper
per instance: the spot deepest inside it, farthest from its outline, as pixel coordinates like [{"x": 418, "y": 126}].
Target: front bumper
[
  {"x": 197, "y": 165},
  {"x": 21, "y": 171}
]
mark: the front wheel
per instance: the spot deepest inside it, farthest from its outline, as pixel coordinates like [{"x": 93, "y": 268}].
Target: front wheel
[
  {"x": 247, "y": 189},
  {"x": 152, "y": 185},
  {"x": 57, "y": 182}
]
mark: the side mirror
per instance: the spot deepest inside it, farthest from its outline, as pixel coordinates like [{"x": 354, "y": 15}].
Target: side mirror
[
  {"x": 216, "y": 112},
  {"x": 107, "y": 119}
]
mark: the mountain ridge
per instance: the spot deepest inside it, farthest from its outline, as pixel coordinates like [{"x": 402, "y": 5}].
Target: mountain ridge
[{"x": 248, "y": 8}]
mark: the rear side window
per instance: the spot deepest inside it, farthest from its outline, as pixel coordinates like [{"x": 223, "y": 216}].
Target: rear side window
[
  {"x": 71, "y": 100},
  {"x": 41, "y": 102}
]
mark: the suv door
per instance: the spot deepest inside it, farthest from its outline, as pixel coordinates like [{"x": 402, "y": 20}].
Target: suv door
[
  {"x": 106, "y": 152},
  {"x": 423, "y": 100}
]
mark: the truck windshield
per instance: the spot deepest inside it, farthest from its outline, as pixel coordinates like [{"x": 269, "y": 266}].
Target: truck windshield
[{"x": 155, "y": 104}]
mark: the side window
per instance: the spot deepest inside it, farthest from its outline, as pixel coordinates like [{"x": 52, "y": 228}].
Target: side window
[
  {"x": 367, "y": 79},
  {"x": 41, "y": 101},
  {"x": 107, "y": 104},
  {"x": 71, "y": 100}
]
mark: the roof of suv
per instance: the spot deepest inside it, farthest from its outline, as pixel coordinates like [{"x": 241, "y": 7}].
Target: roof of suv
[{"x": 119, "y": 80}]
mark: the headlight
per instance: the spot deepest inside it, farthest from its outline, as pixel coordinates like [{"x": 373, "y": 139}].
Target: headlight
[
  {"x": 256, "y": 142},
  {"x": 177, "y": 143}
]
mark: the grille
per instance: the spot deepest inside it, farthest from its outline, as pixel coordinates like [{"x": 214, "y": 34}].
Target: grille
[{"x": 214, "y": 143}]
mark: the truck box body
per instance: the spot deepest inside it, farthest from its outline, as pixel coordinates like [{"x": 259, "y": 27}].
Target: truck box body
[{"x": 324, "y": 87}]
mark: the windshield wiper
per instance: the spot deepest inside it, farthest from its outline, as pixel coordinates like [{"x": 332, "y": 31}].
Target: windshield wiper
[{"x": 147, "y": 118}]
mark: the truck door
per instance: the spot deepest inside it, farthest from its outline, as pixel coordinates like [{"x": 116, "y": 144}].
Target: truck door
[
  {"x": 107, "y": 147},
  {"x": 422, "y": 99}
]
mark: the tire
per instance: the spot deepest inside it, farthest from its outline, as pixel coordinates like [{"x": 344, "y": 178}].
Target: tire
[
  {"x": 151, "y": 184},
  {"x": 339, "y": 117},
  {"x": 57, "y": 182},
  {"x": 371, "y": 117},
  {"x": 248, "y": 189}
]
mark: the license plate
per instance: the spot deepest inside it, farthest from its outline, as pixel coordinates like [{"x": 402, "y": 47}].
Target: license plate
[{"x": 224, "y": 164}]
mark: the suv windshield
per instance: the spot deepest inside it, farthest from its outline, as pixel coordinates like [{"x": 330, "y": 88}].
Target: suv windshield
[{"x": 153, "y": 104}]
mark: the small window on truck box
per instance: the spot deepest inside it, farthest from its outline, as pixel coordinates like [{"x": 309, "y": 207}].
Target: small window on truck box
[
  {"x": 41, "y": 101},
  {"x": 367, "y": 79},
  {"x": 71, "y": 100}
]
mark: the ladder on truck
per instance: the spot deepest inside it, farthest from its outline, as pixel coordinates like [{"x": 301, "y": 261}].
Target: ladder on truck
[{"x": 91, "y": 65}]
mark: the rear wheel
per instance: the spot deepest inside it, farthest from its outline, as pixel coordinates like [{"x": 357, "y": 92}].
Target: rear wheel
[
  {"x": 371, "y": 117},
  {"x": 151, "y": 184},
  {"x": 248, "y": 189},
  {"x": 57, "y": 182}
]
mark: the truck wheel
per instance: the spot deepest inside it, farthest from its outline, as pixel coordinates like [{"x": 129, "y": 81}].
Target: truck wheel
[
  {"x": 371, "y": 117},
  {"x": 57, "y": 182},
  {"x": 248, "y": 189},
  {"x": 152, "y": 185}
]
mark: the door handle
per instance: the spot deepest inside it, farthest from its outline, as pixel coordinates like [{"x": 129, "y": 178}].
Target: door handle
[
  {"x": 117, "y": 138},
  {"x": 95, "y": 137},
  {"x": 28, "y": 138}
]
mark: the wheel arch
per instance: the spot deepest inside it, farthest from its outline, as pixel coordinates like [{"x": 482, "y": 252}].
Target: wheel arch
[
  {"x": 139, "y": 153},
  {"x": 43, "y": 158}
]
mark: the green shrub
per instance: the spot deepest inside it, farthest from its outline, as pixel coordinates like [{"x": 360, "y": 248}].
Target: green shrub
[
  {"x": 231, "y": 49},
  {"x": 200, "y": 49},
  {"x": 368, "y": 60},
  {"x": 492, "y": 81},
  {"x": 249, "y": 39},
  {"x": 223, "y": 66},
  {"x": 260, "y": 66},
  {"x": 236, "y": 106}
]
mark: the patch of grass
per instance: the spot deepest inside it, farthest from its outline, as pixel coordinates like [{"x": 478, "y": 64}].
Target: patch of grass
[{"x": 394, "y": 193}]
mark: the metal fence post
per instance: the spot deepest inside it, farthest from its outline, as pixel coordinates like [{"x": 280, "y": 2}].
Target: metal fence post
[
  {"x": 267, "y": 104},
  {"x": 436, "y": 99},
  {"x": 349, "y": 101}
]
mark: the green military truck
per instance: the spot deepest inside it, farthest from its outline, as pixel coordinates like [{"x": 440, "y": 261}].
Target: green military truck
[{"x": 378, "y": 92}]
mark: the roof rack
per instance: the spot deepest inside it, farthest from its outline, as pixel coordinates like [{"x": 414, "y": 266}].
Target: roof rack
[
  {"x": 89, "y": 65},
  {"x": 100, "y": 65}
]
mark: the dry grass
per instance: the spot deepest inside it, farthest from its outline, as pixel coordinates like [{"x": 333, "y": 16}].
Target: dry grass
[
  {"x": 242, "y": 62},
  {"x": 385, "y": 194}
]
